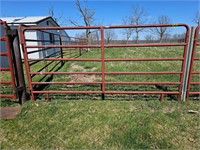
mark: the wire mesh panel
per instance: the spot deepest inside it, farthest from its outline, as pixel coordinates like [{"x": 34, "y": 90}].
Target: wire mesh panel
[
  {"x": 101, "y": 60},
  {"x": 7, "y": 79},
  {"x": 193, "y": 89}
]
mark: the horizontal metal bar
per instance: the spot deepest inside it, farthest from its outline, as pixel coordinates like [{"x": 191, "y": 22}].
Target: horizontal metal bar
[
  {"x": 63, "y": 46},
  {"x": 99, "y": 27},
  {"x": 196, "y": 58},
  {"x": 139, "y": 92},
  {"x": 108, "y": 46},
  {"x": 148, "y": 25},
  {"x": 5, "y": 82},
  {"x": 106, "y": 92},
  {"x": 3, "y": 38},
  {"x": 4, "y": 54},
  {"x": 133, "y": 83},
  {"x": 62, "y": 28},
  {"x": 141, "y": 73},
  {"x": 66, "y": 82},
  {"x": 65, "y": 73},
  {"x": 4, "y": 69},
  {"x": 107, "y": 73},
  {"x": 145, "y": 45},
  {"x": 194, "y": 82},
  {"x": 65, "y": 59},
  {"x": 68, "y": 92},
  {"x": 144, "y": 59},
  {"x": 108, "y": 59},
  {"x": 8, "y": 96},
  {"x": 143, "y": 83},
  {"x": 196, "y": 72},
  {"x": 191, "y": 93}
]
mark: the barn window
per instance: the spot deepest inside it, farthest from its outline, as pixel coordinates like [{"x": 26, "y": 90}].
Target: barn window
[
  {"x": 47, "y": 23},
  {"x": 51, "y": 38}
]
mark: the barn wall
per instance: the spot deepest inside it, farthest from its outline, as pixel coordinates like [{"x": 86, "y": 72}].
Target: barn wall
[
  {"x": 46, "y": 36},
  {"x": 3, "y": 59}
]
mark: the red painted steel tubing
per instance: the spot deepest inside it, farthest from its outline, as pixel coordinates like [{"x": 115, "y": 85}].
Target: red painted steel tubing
[
  {"x": 147, "y": 26},
  {"x": 5, "y": 82},
  {"x": 107, "y": 46},
  {"x": 146, "y": 45},
  {"x": 107, "y": 59},
  {"x": 3, "y": 38},
  {"x": 139, "y": 92},
  {"x": 191, "y": 72},
  {"x": 144, "y": 59},
  {"x": 103, "y": 60},
  {"x": 4, "y": 69},
  {"x": 103, "y": 88},
  {"x": 66, "y": 83},
  {"x": 8, "y": 96},
  {"x": 194, "y": 82},
  {"x": 106, "y": 73},
  {"x": 144, "y": 83},
  {"x": 194, "y": 93},
  {"x": 65, "y": 59},
  {"x": 106, "y": 92},
  {"x": 10, "y": 62},
  {"x": 3, "y": 54},
  {"x": 64, "y": 46},
  {"x": 65, "y": 73},
  {"x": 23, "y": 43},
  {"x": 68, "y": 92},
  {"x": 105, "y": 27},
  {"x": 133, "y": 83},
  {"x": 184, "y": 60}
]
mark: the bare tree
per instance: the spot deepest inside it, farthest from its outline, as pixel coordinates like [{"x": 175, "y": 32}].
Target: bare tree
[
  {"x": 110, "y": 35},
  {"x": 197, "y": 18},
  {"x": 149, "y": 38},
  {"x": 138, "y": 17},
  {"x": 162, "y": 32},
  {"x": 52, "y": 14},
  {"x": 179, "y": 37},
  {"x": 86, "y": 13},
  {"x": 127, "y": 31}
]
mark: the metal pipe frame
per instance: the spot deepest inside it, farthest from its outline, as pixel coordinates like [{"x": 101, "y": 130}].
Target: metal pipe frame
[
  {"x": 193, "y": 59},
  {"x": 10, "y": 69},
  {"x": 103, "y": 60}
]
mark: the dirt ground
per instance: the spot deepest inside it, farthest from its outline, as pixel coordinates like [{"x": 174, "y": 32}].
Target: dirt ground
[{"x": 9, "y": 112}]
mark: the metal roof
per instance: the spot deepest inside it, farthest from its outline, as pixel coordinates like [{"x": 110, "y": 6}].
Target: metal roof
[{"x": 25, "y": 20}]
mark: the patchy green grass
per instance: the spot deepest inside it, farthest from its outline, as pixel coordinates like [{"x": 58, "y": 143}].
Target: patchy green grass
[{"x": 103, "y": 125}]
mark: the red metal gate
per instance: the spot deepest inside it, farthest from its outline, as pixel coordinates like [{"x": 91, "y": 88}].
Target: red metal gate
[
  {"x": 7, "y": 71},
  {"x": 103, "y": 60},
  {"x": 193, "y": 81}
]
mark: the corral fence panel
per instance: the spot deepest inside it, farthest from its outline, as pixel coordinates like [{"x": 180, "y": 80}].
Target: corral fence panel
[
  {"x": 193, "y": 87},
  {"x": 60, "y": 61},
  {"x": 7, "y": 85}
]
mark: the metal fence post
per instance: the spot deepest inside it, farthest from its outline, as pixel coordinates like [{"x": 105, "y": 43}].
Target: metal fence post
[{"x": 187, "y": 65}]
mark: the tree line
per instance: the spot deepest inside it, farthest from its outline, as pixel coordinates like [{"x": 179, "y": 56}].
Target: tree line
[{"x": 137, "y": 16}]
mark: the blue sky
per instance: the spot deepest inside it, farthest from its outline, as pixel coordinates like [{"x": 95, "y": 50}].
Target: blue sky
[{"x": 107, "y": 12}]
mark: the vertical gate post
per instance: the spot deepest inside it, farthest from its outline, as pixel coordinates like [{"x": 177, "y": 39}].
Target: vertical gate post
[
  {"x": 193, "y": 58},
  {"x": 61, "y": 50},
  {"x": 102, "y": 63},
  {"x": 17, "y": 62},
  {"x": 187, "y": 65},
  {"x": 21, "y": 87}
]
